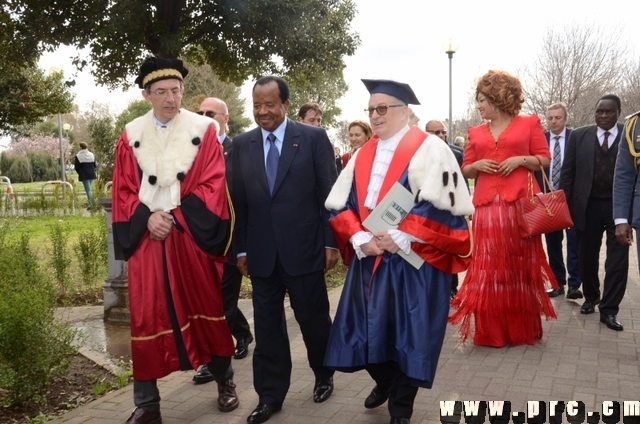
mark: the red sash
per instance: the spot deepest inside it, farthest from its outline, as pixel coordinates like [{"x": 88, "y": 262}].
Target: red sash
[
  {"x": 407, "y": 147},
  {"x": 401, "y": 158}
]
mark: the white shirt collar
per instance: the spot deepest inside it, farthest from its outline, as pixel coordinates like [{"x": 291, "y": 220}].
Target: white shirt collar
[
  {"x": 278, "y": 132},
  {"x": 613, "y": 133}
]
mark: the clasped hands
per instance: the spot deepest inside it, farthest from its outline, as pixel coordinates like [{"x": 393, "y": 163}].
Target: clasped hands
[
  {"x": 160, "y": 225},
  {"x": 380, "y": 243},
  {"x": 491, "y": 166}
]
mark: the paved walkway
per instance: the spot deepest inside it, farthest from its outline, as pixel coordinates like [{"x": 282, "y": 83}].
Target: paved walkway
[{"x": 578, "y": 359}]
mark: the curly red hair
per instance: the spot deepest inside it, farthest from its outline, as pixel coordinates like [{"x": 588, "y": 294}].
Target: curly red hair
[{"x": 502, "y": 90}]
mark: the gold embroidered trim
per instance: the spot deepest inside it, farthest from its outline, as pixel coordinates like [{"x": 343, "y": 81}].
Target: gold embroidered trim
[
  {"x": 160, "y": 334},
  {"x": 164, "y": 333},
  {"x": 222, "y": 318},
  {"x": 629, "y": 130},
  {"x": 161, "y": 73},
  {"x": 232, "y": 218}
]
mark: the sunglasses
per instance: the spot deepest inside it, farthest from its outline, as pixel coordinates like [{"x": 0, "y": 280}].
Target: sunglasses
[
  {"x": 209, "y": 113},
  {"x": 439, "y": 132},
  {"x": 382, "y": 110}
]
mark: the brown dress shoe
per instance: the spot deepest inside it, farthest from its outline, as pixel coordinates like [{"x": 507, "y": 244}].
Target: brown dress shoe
[
  {"x": 227, "y": 398},
  {"x": 142, "y": 416}
]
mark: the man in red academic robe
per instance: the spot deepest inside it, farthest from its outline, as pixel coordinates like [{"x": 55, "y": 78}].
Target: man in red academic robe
[
  {"x": 171, "y": 222},
  {"x": 392, "y": 315}
]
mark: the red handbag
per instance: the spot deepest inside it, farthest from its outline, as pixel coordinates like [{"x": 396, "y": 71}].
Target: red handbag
[{"x": 544, "y": 212}]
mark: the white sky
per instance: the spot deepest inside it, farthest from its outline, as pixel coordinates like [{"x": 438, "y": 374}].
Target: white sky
[{"x": 403, "y": 39}]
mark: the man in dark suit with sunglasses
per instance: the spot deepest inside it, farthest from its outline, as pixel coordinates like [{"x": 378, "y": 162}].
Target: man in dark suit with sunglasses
[
  {"x": 438, "y": 129},
  {"x": 231, "y": 278}
]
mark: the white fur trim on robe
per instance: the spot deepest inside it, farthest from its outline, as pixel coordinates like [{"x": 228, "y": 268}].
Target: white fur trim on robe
[
  {"x": 164, "y": 153},
  {"x": 337, "y": 198},
  {"x": 430, "y": 166}
]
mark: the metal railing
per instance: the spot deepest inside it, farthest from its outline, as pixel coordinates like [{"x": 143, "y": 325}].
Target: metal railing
[{"x": 62, "y": 184}]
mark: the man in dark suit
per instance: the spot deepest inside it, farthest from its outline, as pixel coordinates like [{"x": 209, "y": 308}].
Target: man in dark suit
[
  {"x": 231, "y": 278},
  {"x": 557, "y": 137},
  {"x": 282, "y": 172},
  {"x": 587, "y": 179},
  {"x": 438, "y": 129}
]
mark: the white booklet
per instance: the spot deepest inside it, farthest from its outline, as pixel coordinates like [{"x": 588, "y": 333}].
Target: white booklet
[{"x": 389, "y": 213}]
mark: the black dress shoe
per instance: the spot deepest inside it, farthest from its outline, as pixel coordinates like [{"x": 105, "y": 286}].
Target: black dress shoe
[
  {"x": 262, "y": 413},
  {"x": 574, "y": 293},
  {"x": 588, "y": 307},
  {"x": 227, "y": 398},
  {"x": 377, "y": 397},
  {"x": 242, "y": 347},
  {"x": 556, "y": 292},
  {"x": 203, "y": 375},
  {"x": 400, "y": 420},
  {"x": 611, "y": 321},
  {"x": 142, "y": 416},
  {"x": 322, "y": 390}
]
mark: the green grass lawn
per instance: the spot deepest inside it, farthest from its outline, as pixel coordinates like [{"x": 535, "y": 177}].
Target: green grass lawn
[{"x": 38, "y": 228}]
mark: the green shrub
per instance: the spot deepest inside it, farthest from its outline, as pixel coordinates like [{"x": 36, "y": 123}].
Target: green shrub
[
  {"x": 44, "y": 167},
  {"x": 5, "y": 162},
  {"x": 60, "y": 260},
  {"x": 20, "y": 170},
  {"x": 90, "y": 254},
  {"x": 34, "y": 346}
]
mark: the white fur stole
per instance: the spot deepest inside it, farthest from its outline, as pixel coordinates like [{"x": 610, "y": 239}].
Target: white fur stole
[
  {"x": 433, "y": 172},
  {"x": 165, "y": 155}
]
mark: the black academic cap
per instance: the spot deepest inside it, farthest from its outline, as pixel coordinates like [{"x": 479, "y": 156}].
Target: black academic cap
[
  {"x": 399, "y": 90},
  {"x": 159, "y": 68}
]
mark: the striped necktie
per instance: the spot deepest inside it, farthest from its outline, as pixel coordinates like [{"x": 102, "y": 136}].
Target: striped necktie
[{"x": 557, "y": 163}]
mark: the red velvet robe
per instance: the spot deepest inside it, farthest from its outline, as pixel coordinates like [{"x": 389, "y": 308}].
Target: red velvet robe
[{"x": 178, "y": 279}]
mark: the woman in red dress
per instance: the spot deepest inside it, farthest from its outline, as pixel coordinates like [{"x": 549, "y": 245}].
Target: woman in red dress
[{"x": 505, "y": 285}]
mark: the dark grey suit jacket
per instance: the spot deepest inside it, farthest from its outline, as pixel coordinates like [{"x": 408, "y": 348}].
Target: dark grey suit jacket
[
  {"x": 626, "y": 199},
  {"x": 576, "y": 178},
  {"x": 293, "y": 223}
]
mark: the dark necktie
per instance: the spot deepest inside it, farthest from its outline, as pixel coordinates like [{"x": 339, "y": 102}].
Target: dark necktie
[
  {"x": 557, "y": 163},
  {"x": 272, "y": 162},
  {"x": 605, "y": 143}
]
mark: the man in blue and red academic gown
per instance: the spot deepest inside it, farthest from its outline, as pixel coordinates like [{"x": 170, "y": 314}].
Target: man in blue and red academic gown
[
  {"x": 171, "y": 222},
  {"x": 392, "y": 317}
]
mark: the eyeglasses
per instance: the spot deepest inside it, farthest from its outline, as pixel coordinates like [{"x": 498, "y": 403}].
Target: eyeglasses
[
  {"x": 161, "y": 92},
  {"x": 382, "y": 110},
  {"x": 209, "y": 113},
  {"x": 438, "y": 132},
  {"x": 606, "y": 112}
]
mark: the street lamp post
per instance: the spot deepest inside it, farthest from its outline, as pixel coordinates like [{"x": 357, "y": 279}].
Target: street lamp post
[
  {"x": 450, "y": 48},
  {"x": 55, "y": 70},
  {"x": 62, "y": 170}
]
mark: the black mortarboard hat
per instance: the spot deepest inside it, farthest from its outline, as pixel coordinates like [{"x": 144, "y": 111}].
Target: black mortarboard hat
[
  {"x": 399, "y": 90},
  {"x": 159, "y": 68}
]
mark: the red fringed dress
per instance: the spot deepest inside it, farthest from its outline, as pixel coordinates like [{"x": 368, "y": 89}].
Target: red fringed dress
[{"x": 505, "y": 286}]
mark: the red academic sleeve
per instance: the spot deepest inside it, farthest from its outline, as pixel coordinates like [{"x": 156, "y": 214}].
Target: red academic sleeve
[
  {"x": 130, "y": 216},
  {"x": 448, "y": 243}
]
